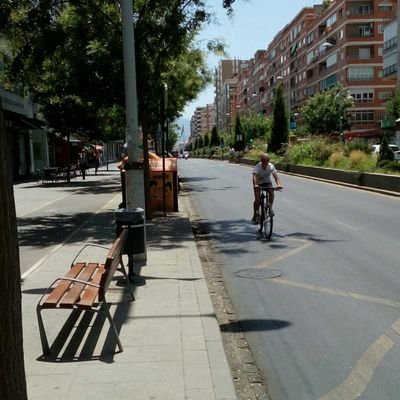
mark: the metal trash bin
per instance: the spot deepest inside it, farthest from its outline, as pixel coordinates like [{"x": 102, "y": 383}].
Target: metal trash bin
[{"x": 133, "y": 220}]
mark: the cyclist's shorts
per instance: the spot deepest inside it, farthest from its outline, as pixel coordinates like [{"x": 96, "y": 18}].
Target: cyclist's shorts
[{"x": 266, "y": 185}]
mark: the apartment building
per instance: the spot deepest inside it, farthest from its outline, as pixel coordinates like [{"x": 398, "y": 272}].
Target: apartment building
[
  {"x": 202, "y": 121},
  {"x": 339, "y": 42},
  {"x": 226, "y": 79},
  {"x": 391, "y": 57}
]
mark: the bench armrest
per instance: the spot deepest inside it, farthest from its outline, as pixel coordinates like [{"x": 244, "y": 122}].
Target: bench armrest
[
  {"x": 64, "y": 278},
  {"x": 84, "y": 247}
]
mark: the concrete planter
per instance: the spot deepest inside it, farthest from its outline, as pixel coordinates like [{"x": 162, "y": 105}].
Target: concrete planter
[{"x": 364, "y": 179}]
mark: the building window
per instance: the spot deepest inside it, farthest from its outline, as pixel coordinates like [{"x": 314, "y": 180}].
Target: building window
[
  {"x": 384, "y": 8},
  {"x": 391, "y": 69},
  {"x": 363, "y": 97},
  {"x": 365, "y": 31},
  {"x": 362, "y": 117},
  {"x": 385, "y": 96},
  {"x": 361, "y": 73}
]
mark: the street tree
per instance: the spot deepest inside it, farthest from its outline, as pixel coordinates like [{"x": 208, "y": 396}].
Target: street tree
[
  {"x": 206, "y": 140},
  {"x": 215, "y": 140},
  {"x": 12, "y": 371},
  {"x": 279, "y": 128},
  {"x": 71, "y": 60},
  {"x": 256, "y": 126},
  {"x": 240, "y": 139},
  {"x": 325, "y": 112},
  {"x": 385, "y": 152}
]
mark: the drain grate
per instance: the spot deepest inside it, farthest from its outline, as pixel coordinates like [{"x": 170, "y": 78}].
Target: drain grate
[{"x": 258, "y": 273}]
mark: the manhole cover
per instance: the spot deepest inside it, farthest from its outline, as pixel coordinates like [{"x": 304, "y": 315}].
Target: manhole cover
[{"x": 258, "y": 273}]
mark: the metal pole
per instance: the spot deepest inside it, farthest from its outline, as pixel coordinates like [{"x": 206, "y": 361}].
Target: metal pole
[
  {"x": 163, "y": 146},
  {"x": 134, "y": 175},
  {"x": 134, "y": 170},
  {"x": 398, "y": 45}
]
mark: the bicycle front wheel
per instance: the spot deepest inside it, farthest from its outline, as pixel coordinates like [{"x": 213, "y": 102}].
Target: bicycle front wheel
[
  {"x": 261, "y": 217},
  {"x": 268, "y": 223}
]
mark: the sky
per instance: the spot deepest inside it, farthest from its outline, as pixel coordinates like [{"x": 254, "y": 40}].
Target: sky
[{"x": 252, "y": 27}]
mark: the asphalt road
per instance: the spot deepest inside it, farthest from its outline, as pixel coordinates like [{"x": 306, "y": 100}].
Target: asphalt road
[
  {"x": 50, "y": 214},
  {"x": 320, "y": 303}
]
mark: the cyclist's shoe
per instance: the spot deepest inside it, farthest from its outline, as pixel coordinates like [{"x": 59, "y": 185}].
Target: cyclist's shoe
[
  {"x": 271, "y": 212},
  {"x": 254, "y": 220}
]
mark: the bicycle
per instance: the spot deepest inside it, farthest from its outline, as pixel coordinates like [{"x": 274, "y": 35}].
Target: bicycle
[{"x": 265, "y": 214}]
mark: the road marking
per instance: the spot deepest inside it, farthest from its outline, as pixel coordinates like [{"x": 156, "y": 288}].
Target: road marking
[
  {"x": 270, "y": 262},
  {"x": 44, "y": 205},
  {"x": 362, "y": 373},
  {"x": 58, "y": 246},
  {"x": 346, "y": 225},
  {"x": 335, "y": 292}
]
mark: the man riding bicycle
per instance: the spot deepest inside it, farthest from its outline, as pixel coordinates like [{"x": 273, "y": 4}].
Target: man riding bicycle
[{"x": 262, "y": 177}]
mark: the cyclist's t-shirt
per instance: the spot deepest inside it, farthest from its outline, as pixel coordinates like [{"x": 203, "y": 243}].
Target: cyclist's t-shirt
[{"x": 264, "y": 175}]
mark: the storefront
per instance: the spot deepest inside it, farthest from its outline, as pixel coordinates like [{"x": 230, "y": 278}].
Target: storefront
[{"x": 27, "y": 140}]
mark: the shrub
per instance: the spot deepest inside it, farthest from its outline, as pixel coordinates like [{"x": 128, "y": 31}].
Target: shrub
[
  {"x": 336, "y": 159},
  {"x": 357, "y": 144},
  {"x": 357, "y": 159},
  {"x": 385, "y": 152},
  {"x": 317, "y": 151},
  {"x": 390, "y": 166}
]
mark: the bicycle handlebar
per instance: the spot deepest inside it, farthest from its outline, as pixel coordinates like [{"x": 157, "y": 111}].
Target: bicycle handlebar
[{"x": 277, "y": 188}]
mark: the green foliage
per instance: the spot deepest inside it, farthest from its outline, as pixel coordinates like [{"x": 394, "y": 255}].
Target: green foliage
[
  {"x": 71, "y": 60},
  {"x": 256, "y": 126},
  {"x": 206, "y": 140},
  {"x": 357, "y": 144},
  {"x": 385, "y": 152},
  {"x": 280, "y": 128},
  {"x": 214, "y": 140},
  {"x": 393, "y": 106},
  {"x": 324, "y": 111},
  {"x": 316, "y": 152},
  {"x": 390, "y": 166},
  {"x": 240, "y": 139},
  {"x": 173, "y": 130}
]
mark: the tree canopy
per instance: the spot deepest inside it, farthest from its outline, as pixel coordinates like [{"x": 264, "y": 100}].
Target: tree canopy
[
  {"x": 69, "y": 57},
  {"x": 325, "y": 112},
  {"x": 280, "y": 128}
]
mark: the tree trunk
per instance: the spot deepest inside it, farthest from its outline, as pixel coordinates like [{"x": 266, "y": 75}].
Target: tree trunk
[{"x": 12, "y": 370}]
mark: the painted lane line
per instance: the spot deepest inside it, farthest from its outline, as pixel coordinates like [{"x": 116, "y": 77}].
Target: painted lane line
[
  {"x": 346, "y": 225},
  {"x": 335, "y": 292},
  {"x": 362, "y": 373},
  {"x": 272, "y": 261},
  {"x": 44, "y": 205},
  {"x": 58, "y": 246}
]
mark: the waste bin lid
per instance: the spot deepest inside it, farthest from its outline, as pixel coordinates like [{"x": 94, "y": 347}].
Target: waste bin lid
[{"x": 129, "y": 214}]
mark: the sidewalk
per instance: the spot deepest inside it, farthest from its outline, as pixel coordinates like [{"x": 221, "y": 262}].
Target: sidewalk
[{"x": 172, "y": 342}]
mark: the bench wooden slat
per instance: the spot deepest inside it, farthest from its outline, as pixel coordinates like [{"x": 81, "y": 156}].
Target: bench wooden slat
[
  {"x": 74, "y": 293},
  {"x": 89, "y": 296},
  {"x": 62, "y": 287}
]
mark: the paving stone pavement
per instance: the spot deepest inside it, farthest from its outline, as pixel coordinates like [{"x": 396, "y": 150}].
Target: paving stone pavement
[{"x": 172, "y": 341}]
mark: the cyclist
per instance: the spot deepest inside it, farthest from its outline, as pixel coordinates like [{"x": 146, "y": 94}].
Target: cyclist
[{"x": 262, "y": 177}]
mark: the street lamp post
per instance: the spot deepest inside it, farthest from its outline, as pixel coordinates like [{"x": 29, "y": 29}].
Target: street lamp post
[{"x": 341, "y": 99}]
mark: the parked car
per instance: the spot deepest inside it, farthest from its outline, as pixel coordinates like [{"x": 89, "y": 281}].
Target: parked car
[{"x": 395, "y": 149}]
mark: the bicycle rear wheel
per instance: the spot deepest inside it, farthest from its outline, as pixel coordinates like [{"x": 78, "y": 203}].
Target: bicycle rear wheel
[{"x": 268, "y": 223}]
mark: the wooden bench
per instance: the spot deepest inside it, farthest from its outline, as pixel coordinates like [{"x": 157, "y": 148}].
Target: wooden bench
[{"x": 84, "y": 287}]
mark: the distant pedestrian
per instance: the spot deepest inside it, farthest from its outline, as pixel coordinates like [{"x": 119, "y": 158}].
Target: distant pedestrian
[
  {"x": 83, "y": 163},
  {"x": 96, "y": 161}
]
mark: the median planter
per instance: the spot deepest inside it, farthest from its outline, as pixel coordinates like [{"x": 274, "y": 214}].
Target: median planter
[{"x": 364, "y": 179}]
